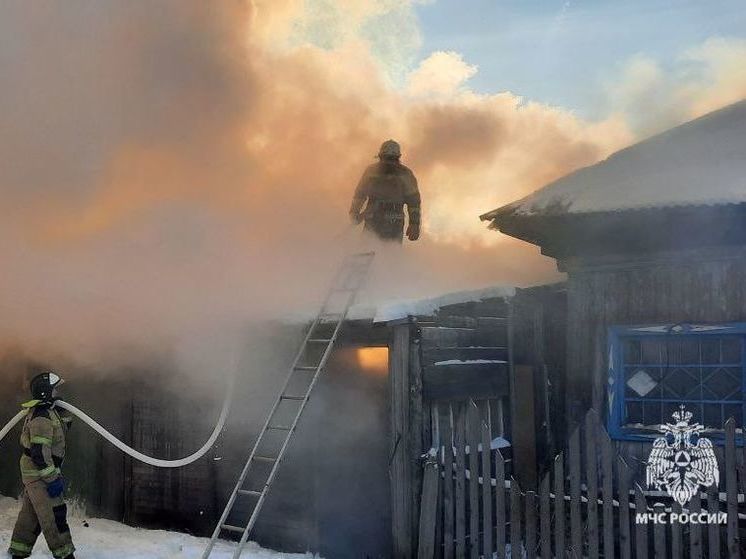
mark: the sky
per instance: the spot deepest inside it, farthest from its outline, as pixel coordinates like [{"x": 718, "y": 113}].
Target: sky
[
  {"x": 565, "y": 52},
  {"x": 173, "y": 168}
]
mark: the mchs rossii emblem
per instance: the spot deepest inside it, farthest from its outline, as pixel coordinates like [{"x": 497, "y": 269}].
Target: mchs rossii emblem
[{"x": 678, "y": 465}]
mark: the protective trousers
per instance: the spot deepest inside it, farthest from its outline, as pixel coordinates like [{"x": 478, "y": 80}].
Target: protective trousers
[{"x": 41, "y": 513}]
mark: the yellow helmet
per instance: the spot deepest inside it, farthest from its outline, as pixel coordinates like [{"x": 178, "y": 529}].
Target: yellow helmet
[{"x": 389, "y": 150}]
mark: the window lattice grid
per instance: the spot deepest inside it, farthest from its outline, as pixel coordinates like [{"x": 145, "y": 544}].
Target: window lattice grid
[{"x": 705, "y": 373}]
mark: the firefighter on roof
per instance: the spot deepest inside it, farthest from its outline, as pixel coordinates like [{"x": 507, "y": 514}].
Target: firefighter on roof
[
  {"x": 384, "y": 189},
  {"x": 43, "y": 508}
]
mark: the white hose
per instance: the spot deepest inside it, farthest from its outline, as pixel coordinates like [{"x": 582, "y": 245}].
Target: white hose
[
  {"x": 157, "y": 462},
  {"x": 12, "y": 423}
]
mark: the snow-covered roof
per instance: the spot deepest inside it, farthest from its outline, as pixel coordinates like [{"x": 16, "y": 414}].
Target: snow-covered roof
[
  {"x": 396, "y": 310},
  {"x": 702, "y": 162}
]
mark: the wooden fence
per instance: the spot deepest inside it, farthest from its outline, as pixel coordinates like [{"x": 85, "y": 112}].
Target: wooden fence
[{"x": 585, "y": 506}]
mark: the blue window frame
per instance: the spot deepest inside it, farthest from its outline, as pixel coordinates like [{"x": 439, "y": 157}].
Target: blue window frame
[{"x": 655, "y": 369}]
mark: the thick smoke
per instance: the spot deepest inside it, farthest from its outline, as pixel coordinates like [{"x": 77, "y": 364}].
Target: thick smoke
[{"x": 173, "y": 169}]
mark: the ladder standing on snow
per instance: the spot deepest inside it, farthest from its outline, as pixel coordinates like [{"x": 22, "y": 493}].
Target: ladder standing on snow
[{"x": 261, "y": 468}]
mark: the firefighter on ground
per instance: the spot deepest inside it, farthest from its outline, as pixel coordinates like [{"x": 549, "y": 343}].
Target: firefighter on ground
[
  {"x": 384, "y": 189},
  {"x": 43, "y": 509}
]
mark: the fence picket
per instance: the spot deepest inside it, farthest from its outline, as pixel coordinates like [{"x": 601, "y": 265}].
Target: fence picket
[
  {"x": 607, "y": 480},
  {"x": 641, "y": 529},
  {"x": 742, "y": 470},
  {"x": 576, "y": 527},
  {"x": 530, "y": 525},
  {"x": 677, "y": 550},
  {"x": 487, "y": 546},
  {"x": 625, "y": 540},
  {"x": 545, "y": 515},
  {"x": 731, "y": 489},
  {"x": 428, "y": 510},
  {"x": 659, "y": 532},
  {"x": 695, "y": 529},
  {"x": 559, "y": 504},
  {"x": 460, "y": 436},
  {"x": 474, "y": 435},
  {"x": 448, "y": 497},
  {"x": 500, "y": 505},
  {"x": 439, "y": 517},
  {"x": 713, "y": 529},
  {"x": 591, "y": 480},
  {"x": 515, "y": 520}
]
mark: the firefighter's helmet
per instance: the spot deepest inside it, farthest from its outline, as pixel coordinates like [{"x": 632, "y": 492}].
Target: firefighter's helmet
[
  {"x": 390, "y": 149},
  {"x": 43, "y": 385}
]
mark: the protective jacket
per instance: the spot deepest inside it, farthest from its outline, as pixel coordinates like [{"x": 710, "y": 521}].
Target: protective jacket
[
  {"x": 43, "y": 442},
  {"x": 384, "y": 189}
]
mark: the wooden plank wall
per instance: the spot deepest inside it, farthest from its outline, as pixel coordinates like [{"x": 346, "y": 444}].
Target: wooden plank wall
[{"x": 689, "y": 286}]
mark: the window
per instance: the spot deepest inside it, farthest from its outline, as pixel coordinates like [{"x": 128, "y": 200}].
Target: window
[{"x": 655, "y": 369}]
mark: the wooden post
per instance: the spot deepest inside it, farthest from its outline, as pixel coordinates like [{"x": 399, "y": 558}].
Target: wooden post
[
  {"x": 400, "y": 470},
  {"x": 417, "y": 420}
]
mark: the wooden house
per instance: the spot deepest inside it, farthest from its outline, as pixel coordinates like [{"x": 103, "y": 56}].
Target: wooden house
[{"x": 653, "y": 241}]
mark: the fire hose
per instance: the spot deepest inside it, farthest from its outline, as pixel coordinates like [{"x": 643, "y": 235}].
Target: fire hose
[{"x": 157, "y": 462}]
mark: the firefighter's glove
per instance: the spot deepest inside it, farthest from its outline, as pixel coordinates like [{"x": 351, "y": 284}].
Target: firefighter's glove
[
  {"x": 413, "y": 231},
  {"x": 56, "y": 487}
]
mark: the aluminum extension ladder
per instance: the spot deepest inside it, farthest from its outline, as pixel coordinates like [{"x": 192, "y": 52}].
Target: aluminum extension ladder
[{"x": 269, "y": 449}]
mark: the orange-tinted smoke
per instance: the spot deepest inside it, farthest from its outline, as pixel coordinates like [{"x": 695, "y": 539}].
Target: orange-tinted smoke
[{"x": 183, "y": 166}]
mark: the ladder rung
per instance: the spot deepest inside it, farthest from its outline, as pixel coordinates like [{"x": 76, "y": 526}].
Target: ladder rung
[
  {"x": 336, "y": 315},
  {"x": 232, "y": 528},
  {"x": 265, "y": 458},
  {"x": 279, "y": 427},
  {"x": 305, "y": 368},
  {"x": 250, "y": 492},
  {"x": 297, "y": 398},
  {"x": 319, "y": 341}
]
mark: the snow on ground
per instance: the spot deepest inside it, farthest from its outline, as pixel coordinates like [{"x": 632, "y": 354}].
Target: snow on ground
[{"x": 105, "y": 539}]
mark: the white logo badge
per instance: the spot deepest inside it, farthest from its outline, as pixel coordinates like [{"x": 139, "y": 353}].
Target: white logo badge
[{"x": 677, "y": 465}]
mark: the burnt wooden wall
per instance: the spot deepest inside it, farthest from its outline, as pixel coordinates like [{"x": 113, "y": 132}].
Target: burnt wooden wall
[
  {"x": 538, "y": 322},
  {"x": 704, "y": 285}
]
